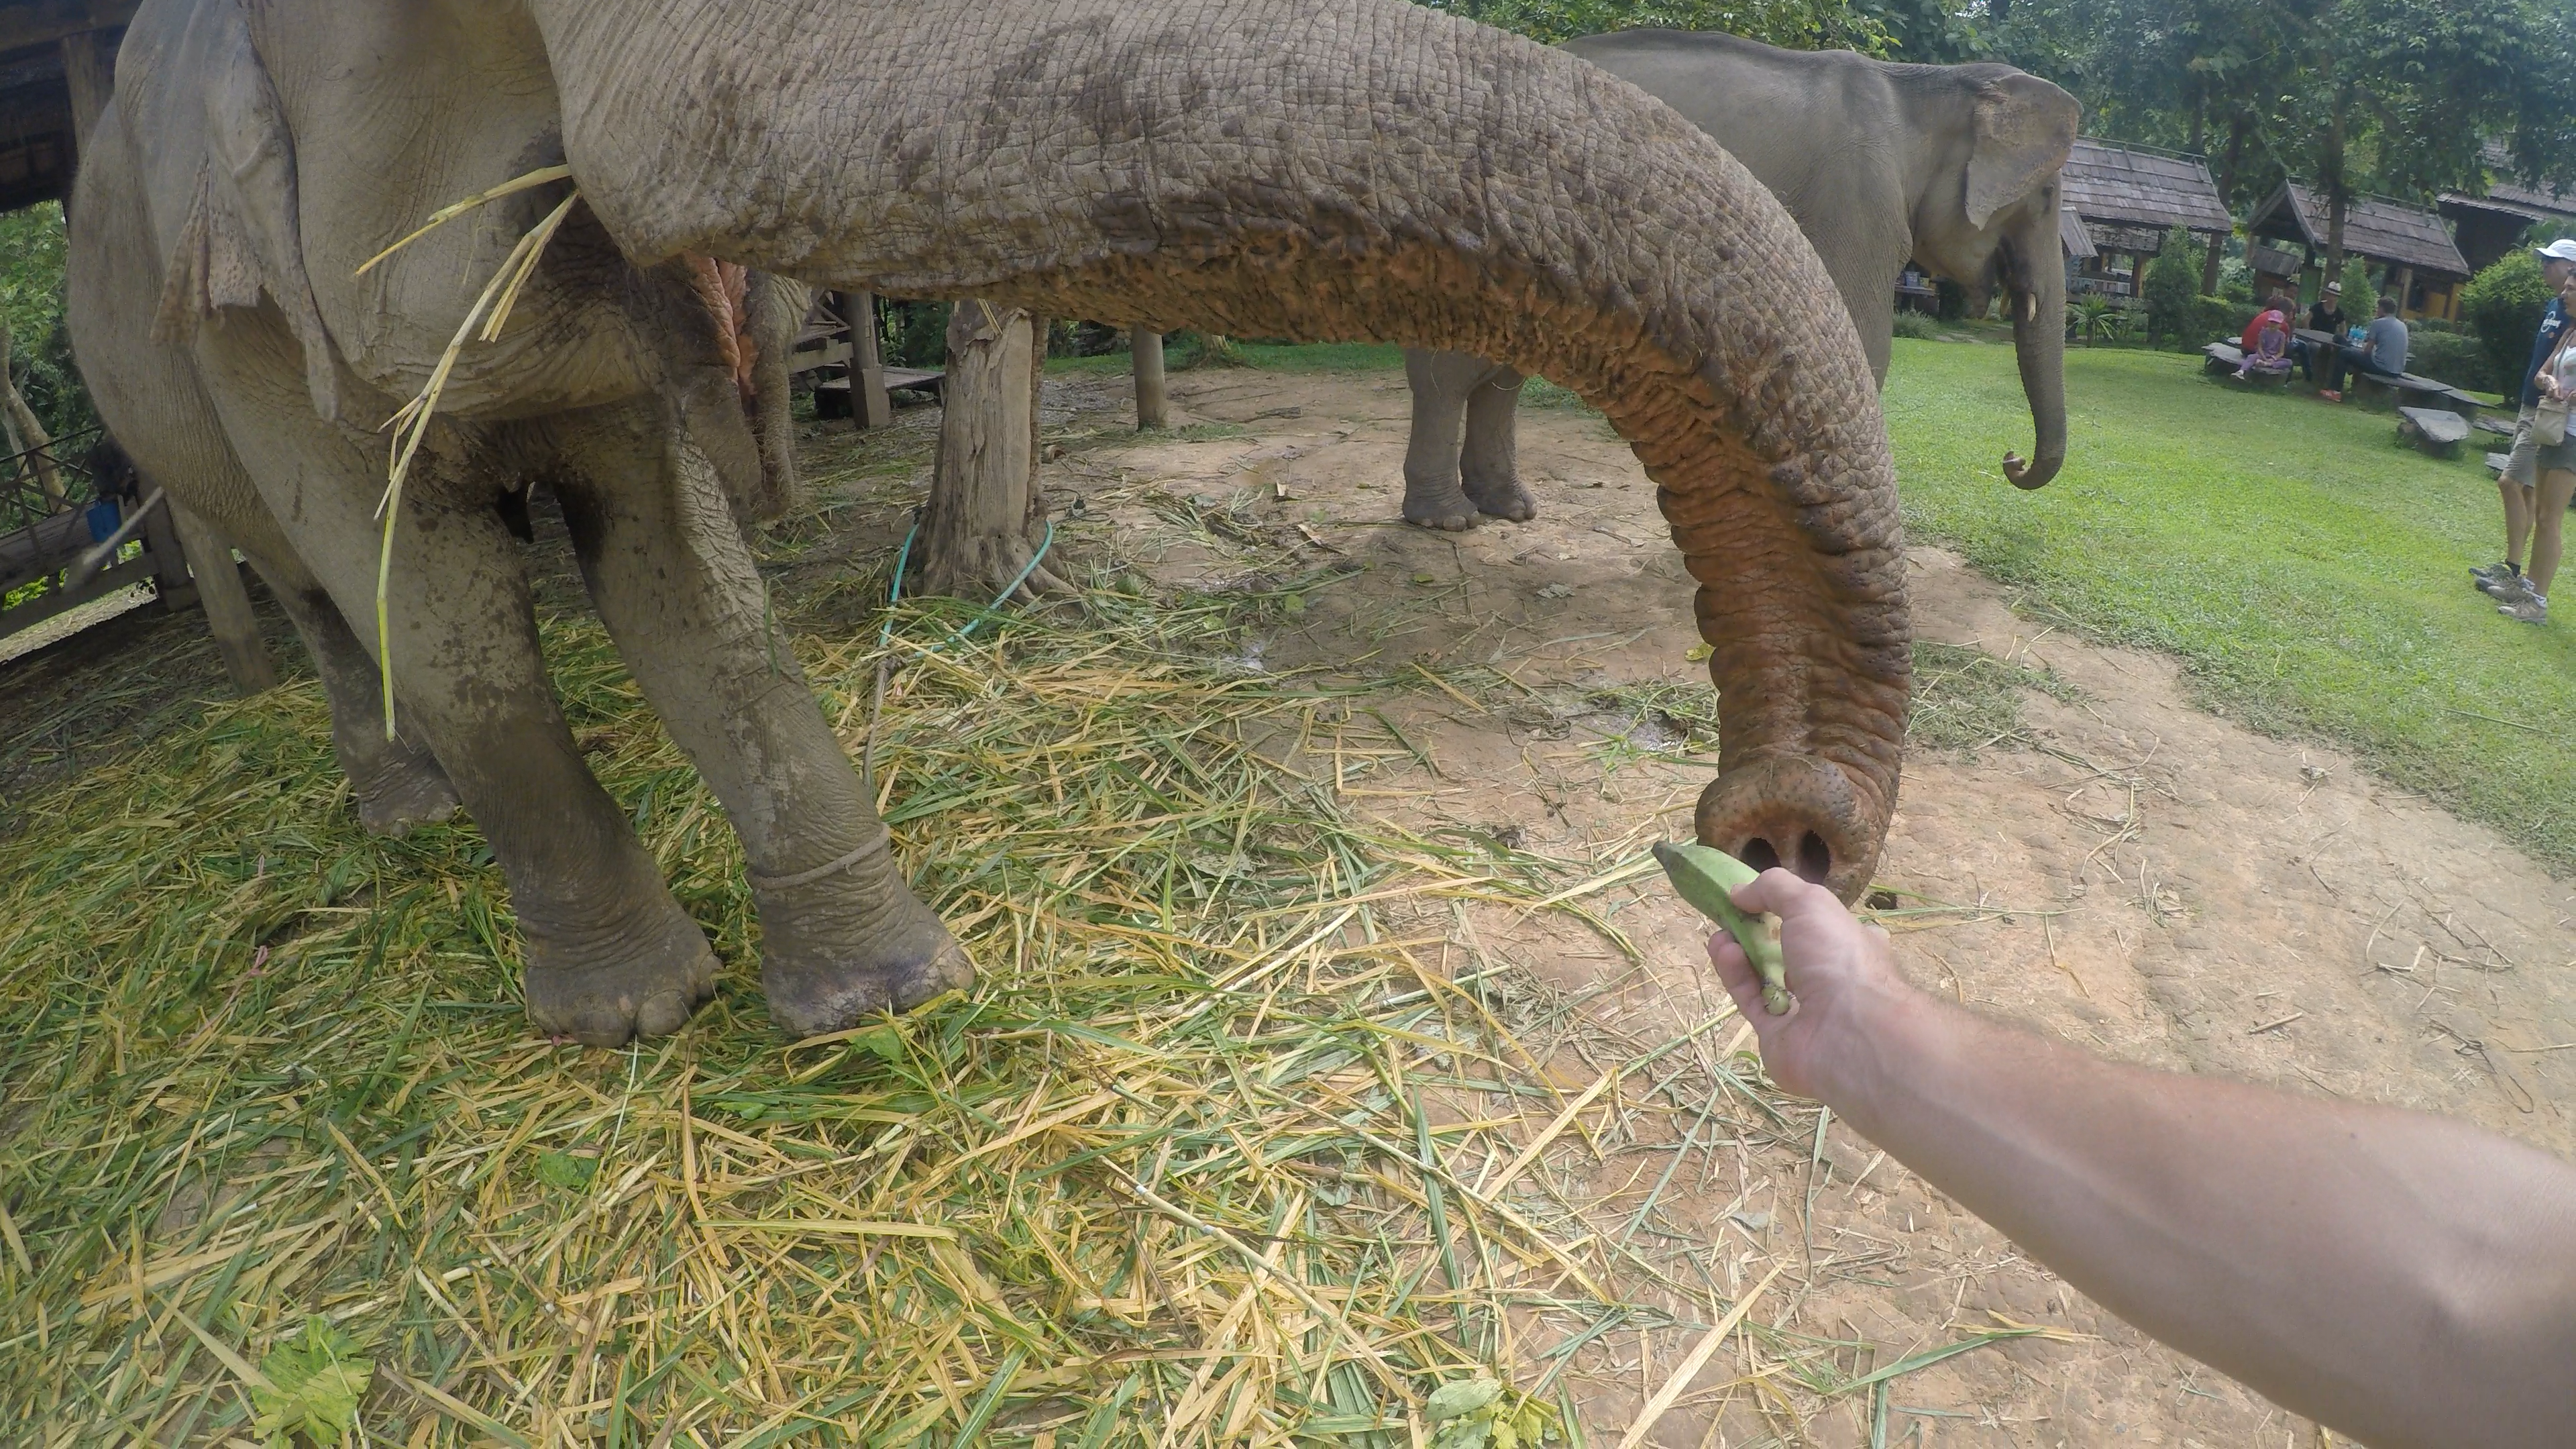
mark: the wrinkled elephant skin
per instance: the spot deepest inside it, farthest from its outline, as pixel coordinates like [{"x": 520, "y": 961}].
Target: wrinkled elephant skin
[{"x": 1264, "y": 167}]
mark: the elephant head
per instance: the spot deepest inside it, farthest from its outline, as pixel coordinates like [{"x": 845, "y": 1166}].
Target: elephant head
[{"x": 1998, "y": 227}]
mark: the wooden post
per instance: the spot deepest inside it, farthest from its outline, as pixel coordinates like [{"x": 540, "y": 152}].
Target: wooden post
[
  {"x": 2405, "y": 287},
  {"x": 870, "y": 407},
  {"x": 986, "y": 511},
  {"x": 89, "y": 72},
  {"x": 1153, "y": 394},
  {"x": 228, "y": 611}
]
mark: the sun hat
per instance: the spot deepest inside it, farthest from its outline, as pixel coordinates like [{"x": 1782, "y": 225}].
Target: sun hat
[
  {"x": 2335, "y": 287},
  {"x": 2561, "y": 250}
]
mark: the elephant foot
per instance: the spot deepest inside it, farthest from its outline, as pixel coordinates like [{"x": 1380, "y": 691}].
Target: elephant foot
[
  {"x": 404, "y": 790},
  {"x": 1502, "y": 497},
  {"x": 1449, "y": 510},
  {"x": 850, "y": 945},
  {"x": 607, "y": 994}
]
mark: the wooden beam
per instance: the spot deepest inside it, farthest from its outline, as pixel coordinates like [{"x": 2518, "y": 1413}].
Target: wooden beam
[
  {"x": 228, "y": 611},
  {"x": 869, "y": 405},
  {"x": 89, "y": 73},
  {"x": 42, "y": 22},
  {"x": 36, "y": 611}
]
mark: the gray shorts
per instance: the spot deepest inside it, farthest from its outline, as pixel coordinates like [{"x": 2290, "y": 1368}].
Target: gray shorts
[{"x": 2530, "y": 457}]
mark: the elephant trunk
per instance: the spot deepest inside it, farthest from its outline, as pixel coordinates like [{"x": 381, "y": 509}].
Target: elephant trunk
[
  {"x": 2039, "y": 343},
  {"x": 1346, "y": 169}
]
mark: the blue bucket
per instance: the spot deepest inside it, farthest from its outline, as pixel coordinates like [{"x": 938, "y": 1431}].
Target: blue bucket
[{"x": 103, "y": 519}]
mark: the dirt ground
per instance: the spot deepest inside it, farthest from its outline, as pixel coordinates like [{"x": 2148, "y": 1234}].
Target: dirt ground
[
  {"x": 2126, "y": 870},
  {"x": 2130, "y": 872}
]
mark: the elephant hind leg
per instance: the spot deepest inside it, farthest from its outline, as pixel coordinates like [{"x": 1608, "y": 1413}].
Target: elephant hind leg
[
  {"x": 398, "y": 782},
  {"x": 1441, "y": 383},
  {"x": 1489, "y": 465}
]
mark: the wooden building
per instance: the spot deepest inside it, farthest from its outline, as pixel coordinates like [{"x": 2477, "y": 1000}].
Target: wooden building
[
  {"x": 57, "y": 71},
  {"x": 2120, "y": 201},
  {"x": 2492, "y": 222},
  {"x": 2410, "y": 252}
]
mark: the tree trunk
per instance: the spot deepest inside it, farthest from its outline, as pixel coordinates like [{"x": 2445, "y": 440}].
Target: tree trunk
[
  {"x": 2227, "y": 170},
  {"x": 984, "y": 518},
  {"x": 30, "y": 433},
  {"x": 1153, "y": 392},
  {"x": 2338, "y": 192}
]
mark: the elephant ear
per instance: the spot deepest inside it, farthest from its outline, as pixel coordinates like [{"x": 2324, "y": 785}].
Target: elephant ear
[
  {"x": 2025, "y": 128},
  {"x": 243, "y": 235}
]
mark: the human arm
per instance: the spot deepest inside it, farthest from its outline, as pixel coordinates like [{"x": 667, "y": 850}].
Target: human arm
[{"x": 2406, "y": 1279}]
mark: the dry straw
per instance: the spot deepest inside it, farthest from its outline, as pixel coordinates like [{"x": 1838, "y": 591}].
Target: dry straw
[{"x": 1214, "y": 1153}]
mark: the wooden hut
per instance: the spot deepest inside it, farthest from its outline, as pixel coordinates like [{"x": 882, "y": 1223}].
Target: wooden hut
[
  {"x": 57, "y": 70},
  {"x": 2407, "y": 247},
  {"x": 2120, "y": 202},
  {"x": 2493, "y": 221}
]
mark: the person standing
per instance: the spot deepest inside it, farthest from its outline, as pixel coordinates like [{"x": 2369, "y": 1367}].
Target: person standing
[
  {"x": 2552, "y": 463},
  {"x": 2520, "y": 482},
  {"x": 2324, "y": 315}
]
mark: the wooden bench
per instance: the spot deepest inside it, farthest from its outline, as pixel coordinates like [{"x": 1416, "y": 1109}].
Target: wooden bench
[{"x": 2436, "y": 432}]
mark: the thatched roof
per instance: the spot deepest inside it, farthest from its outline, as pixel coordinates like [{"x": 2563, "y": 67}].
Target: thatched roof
[
  {"x": 2373, "y": 226},
  {"x": 2071, "y": 235},
  {"x": 2531, "y": 203},
  {"x": 2140, "y": 186},
  {"x": 36, "y": 147}
]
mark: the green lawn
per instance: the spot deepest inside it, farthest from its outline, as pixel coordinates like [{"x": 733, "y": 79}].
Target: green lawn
[{"x": 2310, "y": 574}]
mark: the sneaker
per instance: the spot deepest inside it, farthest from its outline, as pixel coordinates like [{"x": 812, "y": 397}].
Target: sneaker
[
  {"x": 2531, "y": 608},
  {"x": 2505, "y": 590},
  {"x": 2496, "y": 572}
]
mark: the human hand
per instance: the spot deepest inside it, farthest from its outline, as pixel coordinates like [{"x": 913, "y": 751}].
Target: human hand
[{"x": 1842, "y": 973}]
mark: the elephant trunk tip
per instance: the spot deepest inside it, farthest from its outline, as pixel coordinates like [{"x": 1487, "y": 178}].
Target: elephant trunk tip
[{"x": 2034, "y": 475}]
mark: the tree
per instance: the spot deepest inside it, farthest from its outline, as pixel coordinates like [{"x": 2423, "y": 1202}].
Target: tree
[
  {"x": 2502, "y": 305},
  {"x": 2172, "y": 289}
]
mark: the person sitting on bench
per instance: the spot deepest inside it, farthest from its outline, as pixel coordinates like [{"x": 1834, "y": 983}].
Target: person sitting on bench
[{"x": 2381, "y": 356}]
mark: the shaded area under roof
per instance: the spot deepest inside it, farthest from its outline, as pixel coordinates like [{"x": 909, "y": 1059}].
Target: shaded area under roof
[
  {"x": 2142, "y": 186},
  {"x": 2373, "y": 226},
  {"x": 36, "y": 110}
]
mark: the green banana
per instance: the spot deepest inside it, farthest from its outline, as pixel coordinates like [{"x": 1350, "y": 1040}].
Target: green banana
[{"x": 1707, "y": 879}]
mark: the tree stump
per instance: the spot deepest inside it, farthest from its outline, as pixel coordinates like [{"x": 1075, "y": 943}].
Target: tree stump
[{"x": 986, "y": 512}]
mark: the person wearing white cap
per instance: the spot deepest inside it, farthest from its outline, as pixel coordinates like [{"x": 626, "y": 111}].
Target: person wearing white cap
[
  {"x": 2537, "y": 477},
  {"x": 2324, "y": 315}
]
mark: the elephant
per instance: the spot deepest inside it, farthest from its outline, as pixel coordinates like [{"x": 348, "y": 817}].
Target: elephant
[
  {"x": 1954, "y": 168},
  {"x": 1286, "y": 168}
]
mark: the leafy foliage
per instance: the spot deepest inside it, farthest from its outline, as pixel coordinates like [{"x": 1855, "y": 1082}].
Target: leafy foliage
[
  {"x": 2172, "y": 288},
  {"x": 2502, "y": 306},
  {"x": 315, "y": 1381},
  {"x": 1798, "y": 24},
  {"x": 31, "y": 307}
]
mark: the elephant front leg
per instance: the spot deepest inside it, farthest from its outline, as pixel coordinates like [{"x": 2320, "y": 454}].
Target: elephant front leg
[
  {"x": 1489, "y": 465},
  {"x": 398, "y": 782},
  {"x": 843, "y": 938}
]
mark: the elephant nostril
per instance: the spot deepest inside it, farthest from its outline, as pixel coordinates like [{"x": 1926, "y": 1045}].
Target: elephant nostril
[
  {"x": 1815, "y": 858},
  {"x": 1759, "y": 854}
]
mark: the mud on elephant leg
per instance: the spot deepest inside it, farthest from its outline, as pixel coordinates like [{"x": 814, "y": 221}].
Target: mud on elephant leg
[
  {"x": 842, "y": 935},
  {"x": 1489, "y": 464},
  {"x": 398, "y": 782}
]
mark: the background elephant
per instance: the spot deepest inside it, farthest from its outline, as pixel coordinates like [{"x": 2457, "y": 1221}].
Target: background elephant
[
  {"x": 1951, "y": 167},
  {"x": 1084, "y": 157}
]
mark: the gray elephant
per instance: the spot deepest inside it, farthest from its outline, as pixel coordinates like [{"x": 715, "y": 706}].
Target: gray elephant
[
  {"x": 1953, "y": 168},
  {"x": 1271, "y": 167}
]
